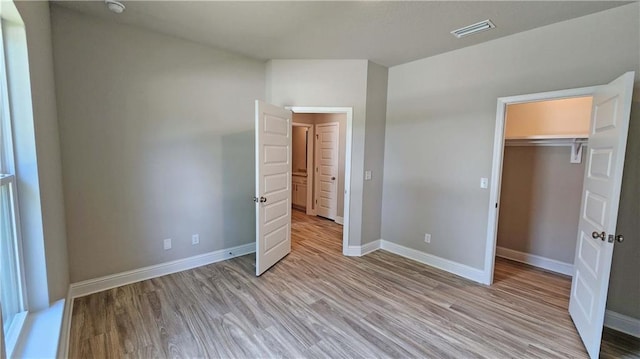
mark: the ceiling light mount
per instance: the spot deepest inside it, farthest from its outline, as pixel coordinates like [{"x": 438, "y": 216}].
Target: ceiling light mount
[
  {"x": 473, "y": 29},
  {"x": 115, "y": 6}
]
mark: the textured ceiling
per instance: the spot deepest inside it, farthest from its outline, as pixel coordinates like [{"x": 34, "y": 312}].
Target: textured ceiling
[{"x": 388, "y": 33}]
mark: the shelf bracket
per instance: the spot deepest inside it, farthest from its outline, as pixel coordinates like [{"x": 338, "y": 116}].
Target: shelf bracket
[{"x": 576, "y": 152}]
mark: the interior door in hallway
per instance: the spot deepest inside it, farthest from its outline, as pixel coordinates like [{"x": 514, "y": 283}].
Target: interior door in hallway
[
  {"x": 599, "y": 209},
  {"x": 273, "y": 185},
  {"x": 326, "y": 183}
]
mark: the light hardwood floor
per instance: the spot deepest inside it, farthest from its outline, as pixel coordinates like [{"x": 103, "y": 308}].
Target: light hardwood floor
[{"x": 318, "y": 303}]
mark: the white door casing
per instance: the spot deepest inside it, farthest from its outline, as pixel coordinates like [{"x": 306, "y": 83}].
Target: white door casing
[
  {"x": 273, "y": 185},
  {"x": 599, "y": 209},
  {"x": 326, "y": 162}
]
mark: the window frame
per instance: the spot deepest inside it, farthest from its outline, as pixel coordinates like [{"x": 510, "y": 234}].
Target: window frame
[{"x": 8, "y": 178}]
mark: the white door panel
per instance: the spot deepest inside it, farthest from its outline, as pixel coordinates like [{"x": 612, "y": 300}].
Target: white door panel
[
  {"x": 599, "y": 211},
  {"x": 273, "y": 185},
  {"x": 327, "y": 136}
]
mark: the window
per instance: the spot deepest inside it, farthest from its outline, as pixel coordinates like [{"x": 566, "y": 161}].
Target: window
[{"x": 12, "y": 294}]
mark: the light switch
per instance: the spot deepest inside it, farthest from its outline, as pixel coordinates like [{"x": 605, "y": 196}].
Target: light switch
[
  {"x": 484, "y": 182},
  {"x": 367, "y": 175}
]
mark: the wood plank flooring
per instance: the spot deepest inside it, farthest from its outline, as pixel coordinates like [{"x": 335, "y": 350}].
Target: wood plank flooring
[{"x": 317, "y": 303}]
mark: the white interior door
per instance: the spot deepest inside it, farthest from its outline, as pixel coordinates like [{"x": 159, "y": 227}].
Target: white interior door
[
  {"x": 273, "y": 185},
  {"x": 599, "y": 210},
  {"x": 327, "y": 137}
]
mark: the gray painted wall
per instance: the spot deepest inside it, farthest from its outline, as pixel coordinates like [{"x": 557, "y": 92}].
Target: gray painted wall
[
  {"x": 540, "y": 201},
  {"x": 359, "y": 84},
  {"x": 377, "y": 80},
  {"x": 441, "y": 118},
  {"x": 157, "y": 142},
  {"x": 624, "y": 287},
  {"x": 328, "y": 83},
  {"x": 36, "y": 17}
]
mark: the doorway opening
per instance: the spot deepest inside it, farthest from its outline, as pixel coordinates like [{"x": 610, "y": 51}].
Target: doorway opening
[
  {"x": 599, "y": 193},
  {"x": 542, "y": 179},
  {"x": 520, "y": 135},
  {"x": 321, "y": 166}
]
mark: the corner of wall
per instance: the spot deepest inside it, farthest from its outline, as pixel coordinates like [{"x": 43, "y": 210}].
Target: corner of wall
[{"x": 376, "y": 112}]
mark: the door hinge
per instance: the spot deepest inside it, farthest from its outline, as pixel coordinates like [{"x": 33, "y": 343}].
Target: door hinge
[{"x": 496, "y": 204}]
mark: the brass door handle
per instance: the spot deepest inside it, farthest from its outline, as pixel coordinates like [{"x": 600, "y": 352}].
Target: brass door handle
[{"x": 597, "y": 235}]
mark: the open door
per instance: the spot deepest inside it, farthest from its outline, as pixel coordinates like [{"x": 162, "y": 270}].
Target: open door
[
  {"x": 273, "y": 185},
  {"x": 327, "y": 141},
  {"x": 599, "y": 210}
]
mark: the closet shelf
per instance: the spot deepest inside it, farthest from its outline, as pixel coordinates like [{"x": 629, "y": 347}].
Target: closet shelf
[{"x": 555, "y": 140}]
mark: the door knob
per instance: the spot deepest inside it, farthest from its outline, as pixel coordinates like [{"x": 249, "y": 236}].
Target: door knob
[
  {"x": 597, "y": 235},
  {"x": 333, "y": 178},
  {"x": 261, "y": 199},
  {"x": 620, "y": 238}
]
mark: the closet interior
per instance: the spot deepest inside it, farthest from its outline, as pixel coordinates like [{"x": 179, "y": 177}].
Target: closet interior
[{"x": 542, "y": 177}]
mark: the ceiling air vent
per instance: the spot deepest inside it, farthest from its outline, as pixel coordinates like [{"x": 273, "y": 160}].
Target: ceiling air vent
[{"x": 472, "y": 29}]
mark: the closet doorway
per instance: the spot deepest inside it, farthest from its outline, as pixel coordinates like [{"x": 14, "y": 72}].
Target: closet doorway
[
  {"x": 542, "y": 179},
  {"x": 321, "y": 164},
  {"x": 605, "y": 147}
]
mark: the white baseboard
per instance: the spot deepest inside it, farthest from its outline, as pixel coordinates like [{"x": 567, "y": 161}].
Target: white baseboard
[
  {"x": 456, "y": 268},
  {"x": 536, "y": 261},
  {"x": 462, "y": 270},
  {"x": 370, "y": 247},
  {"x": 352, "y": 251},
  {"x": 359, "y": 251},
  {"x": 339, "y": 220},
  {"x": 86, "y": 287},
  {"x": 622, "y": 323}
]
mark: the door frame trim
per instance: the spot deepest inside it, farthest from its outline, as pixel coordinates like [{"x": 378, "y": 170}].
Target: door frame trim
[
  {"x": 496, "y": 167},
  {"x": 347, "y": 160}
]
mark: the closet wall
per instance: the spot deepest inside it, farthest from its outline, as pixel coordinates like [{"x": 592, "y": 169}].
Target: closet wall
[
  {"x": 318, "y": 118},
  {"x": 540, "y": 202},
  {"x": 541, "y": 189}
]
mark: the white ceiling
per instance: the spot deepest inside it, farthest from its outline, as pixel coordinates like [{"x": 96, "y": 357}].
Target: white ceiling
[{"x": 388, "y": 33}]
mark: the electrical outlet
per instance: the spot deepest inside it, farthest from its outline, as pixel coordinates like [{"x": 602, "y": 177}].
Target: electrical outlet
[
  {"x": 167, "y": 244},
  {"x": 427, "y": 238},
  {"x": 195, "y": 239},
  {"x": 367, "y": 175}
]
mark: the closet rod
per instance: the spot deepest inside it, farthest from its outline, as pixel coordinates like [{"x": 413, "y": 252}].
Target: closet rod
[{"x": 546, "y": 142}]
